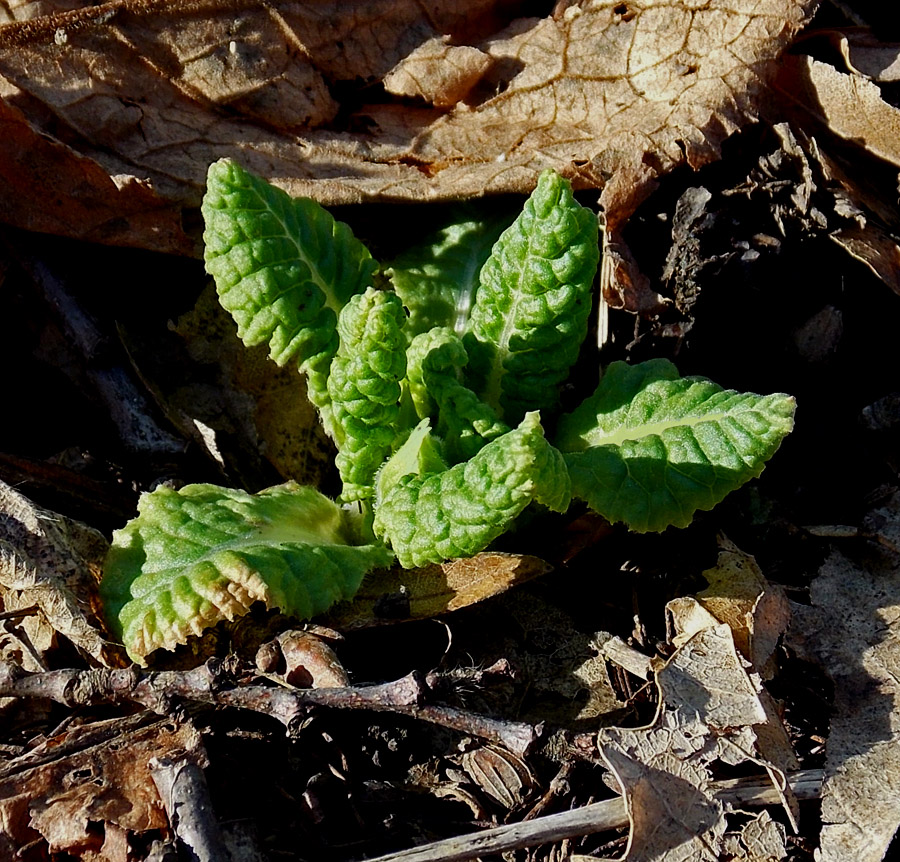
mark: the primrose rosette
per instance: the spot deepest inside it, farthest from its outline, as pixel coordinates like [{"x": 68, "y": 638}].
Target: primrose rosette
[{"x": 434, "y": 390}]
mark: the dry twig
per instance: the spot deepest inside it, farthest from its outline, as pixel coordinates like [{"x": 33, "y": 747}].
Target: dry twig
[
  {"x": 598, "y": 817},
  {"x": 215, "y": 683},
  {"x": 185, "y": 796}
]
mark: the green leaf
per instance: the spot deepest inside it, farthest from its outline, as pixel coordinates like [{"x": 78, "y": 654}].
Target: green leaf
[
  {"x": 420, "y": 454},
  {"x": 364, "y": 385},
  {"x": 437, "y": 279},
  {"x": 533, "y": 302},
  {"x": 650, "y": 448},
  {"x": 459, "y": 512},
  {"x": 436, "y": 360},
  {"x": 283, "y": 267},
  {"x": 203, "y": 554}
]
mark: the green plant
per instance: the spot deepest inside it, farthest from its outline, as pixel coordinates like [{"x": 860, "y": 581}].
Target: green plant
[{"x": 433, "y": 392}]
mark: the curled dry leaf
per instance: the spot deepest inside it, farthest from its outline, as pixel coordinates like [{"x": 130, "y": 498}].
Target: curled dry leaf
[
  {"x": 849, "y": 105},
  {"x": 853, "y": 631},
  {"x": 303, "y": 659},
  {"x": 867, "y": 56},
  {"x": 757, "y": 612},
  {"x": 605, "y": 92},
  {"x": 709, "y": 710},
  {"x": 438, "y": 72},
  {"x": 51, "y": 565}
]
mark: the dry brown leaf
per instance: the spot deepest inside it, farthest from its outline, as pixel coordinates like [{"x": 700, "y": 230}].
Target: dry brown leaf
[
  {"x": 876, "y": 248},
  {"x": 758, "y": 614},
  {"x": 24, "y": 10},
  {"x": 309, "y": 661},
  {"x": 706, "y": 677},
  {"x": 396, "y": 594},
  {"x": 688, "y": 617},
  {"x": 63, "y": 798},
  {"x": 253, "y": 404},
  {"x": 739, "y": 594},
  {"x": 853, "y": 631},
  {"x": 849, "y": 105},
  {"x": 51, "y": 564},
  {"x": 47, "y": 187},
  {"x": 760, "y": 840},
  {"x": 564, "y": 668},
  {"x": 709, "y": 707},
  {"x": 438, "y": 72},
  {"x": 867, "y": 56},
  {"x": 605, "y": 92},
  {"x": 872, "y": 235}
]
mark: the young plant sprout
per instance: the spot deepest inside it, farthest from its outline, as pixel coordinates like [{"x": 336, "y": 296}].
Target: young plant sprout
[{"x": 435, "y": 393}]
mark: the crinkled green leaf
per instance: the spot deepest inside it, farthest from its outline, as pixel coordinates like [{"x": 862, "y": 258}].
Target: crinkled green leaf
[
  {"x": 533, "y": 302},
  {"x": 364, "y": 385},
  {"x": 436, "y": 360},
  {"x": 437, "y": 279},
  {"x": 283, "y": 267},
  {"x": 650, "y": 448},
  {"x": 203, "y": 554},
  {"x": 458, "y": 512},
  {"x": 421, "y": 454}
]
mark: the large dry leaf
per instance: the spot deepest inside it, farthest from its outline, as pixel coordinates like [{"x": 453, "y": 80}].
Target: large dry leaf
[
  {"x": 238, "y": 404},
  {"x": 853, "y": 631},
  {"x": 397, "y": 594},
  {"x": 851, "y": 106},
  {"x": 51, "y": 565},
  {"x": 606, "y": 92},
  {"x": 48, "y": 187},
  {"x": 709, "y": 710},
  {"x": 757, "y": 615},
  {"x": 88, "y": 776}
]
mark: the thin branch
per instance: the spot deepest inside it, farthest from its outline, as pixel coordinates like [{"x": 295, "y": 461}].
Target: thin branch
[
  {"x": 19, "y": 613},
  {"x": 598, "y": 817},
  {"x": 627, "y": 657},
  {"x": 215, "y": 683}
]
